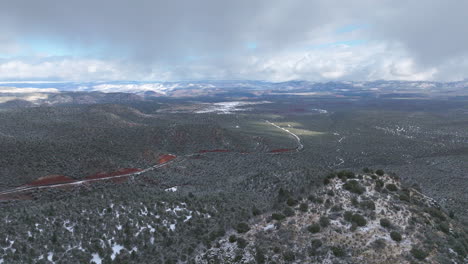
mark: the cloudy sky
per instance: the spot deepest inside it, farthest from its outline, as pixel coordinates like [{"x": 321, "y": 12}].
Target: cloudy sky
[{"x": 155, "y": 40}]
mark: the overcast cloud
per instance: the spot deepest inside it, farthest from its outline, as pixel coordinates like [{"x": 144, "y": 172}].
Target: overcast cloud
[{"x": 215, "y": 39}]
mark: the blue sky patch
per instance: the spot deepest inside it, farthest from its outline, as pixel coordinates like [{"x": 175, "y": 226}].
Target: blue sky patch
[
  {"x": 351, "y": 43},
  {"x": 251, "y": 45}
]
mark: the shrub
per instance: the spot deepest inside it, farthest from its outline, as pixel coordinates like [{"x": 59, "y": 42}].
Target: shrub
[
  {"x": 278, "y": 217},
  {"x": 368, "y": 205},
  {"x": 354, "y": 187},
  {"x": 444, "y": 227},
  {"x": 435, "y": 213},
  {"x": 391, "y": 187},
  {"x": 358, "y": 219},
  {"x": 326, "y": 181},
  {"x": 379, "y": 172},
  {"x": 379, "y": 244},
  {"x": 291, "y": 202},
  {"x": 395, "y": 236},
  {"x": 418, "y": 253},
  {"x": 259, "y": 256},
  {"x": 314, "y": 249},
  {"x": 404, "y": 197},
  {"x": 338, "y": 251},
  {"x": 242, "y": 227},
  {"x": 289, "y": 255},
  {"x": 241, "y": 243},
  {"x": 348, "y": 215},
  {"x": 314, "y": 228},
  {"x": 303, "y": 207},
  {"x": 366, "y": 170},
  {"x": 452, "y": 214},
  {"x": 315, "y": 199},
  {"x": 379, "y": 183},
  {"x": 384, "y": 222},
  {"x": 331, "y": 193},
  {"x": 324, "y": 221},
  {"x": 350, "y": 175},
  {"x": 256, "y": 211},
  {"x": 346, "y": 174},
  {"x": 460, "y": 249},
  {"x": 232, "y": 238},
  {"x": 316, "y": 243},
  {"x": 288, "y": 212},
  {"x": 336, "y": 208}
]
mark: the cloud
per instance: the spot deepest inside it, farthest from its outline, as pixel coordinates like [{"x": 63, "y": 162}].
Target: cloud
[
  {"x": 264, "y": 39},
  {"x": 332, "y": 62},
  {"x": 17, "y": 90},
  {"x": 343, "y": 62}
]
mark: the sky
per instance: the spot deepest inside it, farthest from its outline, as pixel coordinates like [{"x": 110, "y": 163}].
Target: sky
[{"x": 272, "y": 40}]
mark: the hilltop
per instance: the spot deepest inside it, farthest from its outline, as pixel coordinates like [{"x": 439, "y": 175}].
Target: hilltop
[{"x": 364, "y": 218}]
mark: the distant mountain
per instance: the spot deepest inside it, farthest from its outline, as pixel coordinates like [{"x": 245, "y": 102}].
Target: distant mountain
[{"x": 115, "y": 92}]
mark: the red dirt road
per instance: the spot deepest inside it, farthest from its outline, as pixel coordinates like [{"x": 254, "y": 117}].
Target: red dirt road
[
  {"x": 50, "y": 179},
  {"x": 166, "y": 158},
  {"x": 120, "y": 172},
  {"x": 281, "y": 150}
]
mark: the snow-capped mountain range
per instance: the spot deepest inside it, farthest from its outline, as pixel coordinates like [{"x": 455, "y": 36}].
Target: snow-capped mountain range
[{"x": 90, "y": 92}]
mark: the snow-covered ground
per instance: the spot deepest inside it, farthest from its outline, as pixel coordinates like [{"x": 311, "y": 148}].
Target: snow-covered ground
[
  {"x": 96, "y": 259},
  {"x": 227, "y": 107},
  {"x": 321, "y": 111},
  {"x": 116, "y": 248},
  {"x": 172, "y": 189}
]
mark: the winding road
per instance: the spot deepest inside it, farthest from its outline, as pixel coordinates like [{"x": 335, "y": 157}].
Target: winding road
[
  {"x": 296, "y": 137},
  {"x": 20, "y": 189}
]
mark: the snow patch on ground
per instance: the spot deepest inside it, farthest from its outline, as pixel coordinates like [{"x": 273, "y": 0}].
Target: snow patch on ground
[
  {"x": 321, "y": 111},
  {"x": 172, "y": 189},
  {"x": 228, "y": 107},
  {"x": 172, "y": 227},
  {"x": 69, "y": 228},
  {"x": 96, "y": 259},
  {"x": 116, "y": 250},
  {"x": 50, "y": 255}
]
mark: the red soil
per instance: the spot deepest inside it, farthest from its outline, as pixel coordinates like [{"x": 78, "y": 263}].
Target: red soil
[
  {"x": 119, "y": 180},
  {"x": 50, "y": 179},
  {"x": 280, "y": 150},
  {"x": 166, "y": 158},
  {"x": 15, "y": 196},
  {"x": 120, "y": 172},
  {"x": 214, "y": 150}
]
